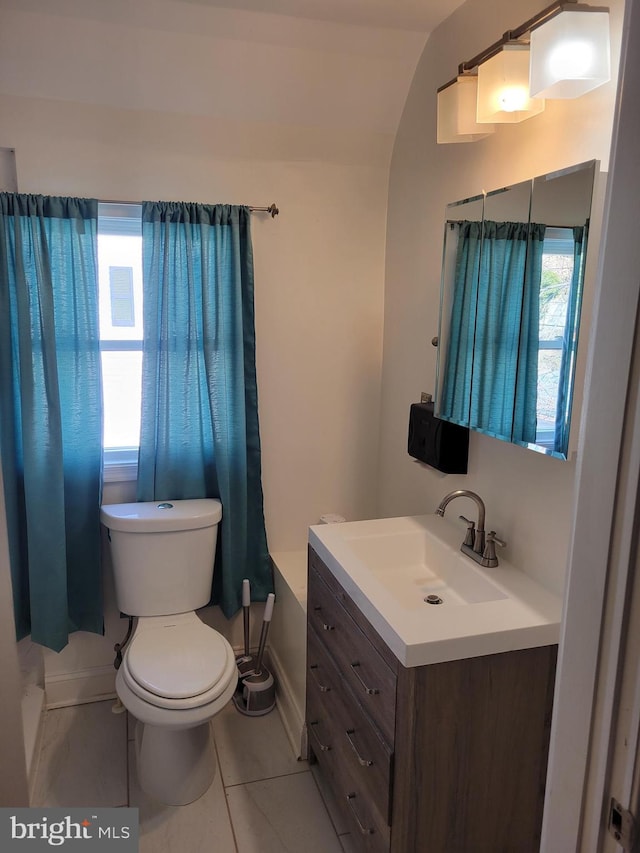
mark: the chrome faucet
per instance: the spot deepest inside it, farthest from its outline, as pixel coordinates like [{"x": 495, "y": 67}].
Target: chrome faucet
[{"x": 480, "y": 548}]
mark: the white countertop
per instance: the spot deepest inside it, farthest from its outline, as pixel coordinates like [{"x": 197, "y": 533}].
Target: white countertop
[{"x": 526, "y": 615}]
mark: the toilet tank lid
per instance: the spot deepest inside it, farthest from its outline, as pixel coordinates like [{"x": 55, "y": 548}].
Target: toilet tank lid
[{"x": 160, "y": 516}]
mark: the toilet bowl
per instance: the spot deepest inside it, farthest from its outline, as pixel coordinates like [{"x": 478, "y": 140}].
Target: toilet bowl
[
  {"x": 175, "y": 676},
  {"x": 176, "y": 672}
]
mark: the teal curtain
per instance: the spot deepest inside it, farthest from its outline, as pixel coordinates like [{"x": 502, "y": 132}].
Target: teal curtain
[
  {"x": 525, "y": 419},
  {"x": 570, "y": 343},
  {"x": 456, "y": 381},
  {"x": 199, "y": 429},
  {"x": 51, "y": 413},
  {"x": 491, "y": 366},
  {"x": 495, "y": 359}
]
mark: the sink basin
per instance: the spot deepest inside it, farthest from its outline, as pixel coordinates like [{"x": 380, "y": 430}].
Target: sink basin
[
  {"x": 391, "y": 567},
  {"x": 413, "y": 565}
]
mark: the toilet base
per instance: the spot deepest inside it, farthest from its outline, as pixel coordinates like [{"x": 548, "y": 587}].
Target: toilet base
[{"x": 175, "y": 766}]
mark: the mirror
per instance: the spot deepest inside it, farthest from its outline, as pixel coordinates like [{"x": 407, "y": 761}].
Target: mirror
[{"x": 512, "y": 283}]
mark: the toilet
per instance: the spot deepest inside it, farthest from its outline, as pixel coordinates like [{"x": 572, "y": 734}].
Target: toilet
[{"x": 176, "y": 673}]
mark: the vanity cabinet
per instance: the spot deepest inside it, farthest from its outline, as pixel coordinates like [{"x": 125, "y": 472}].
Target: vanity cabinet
[{"x": 444, "y": 758}]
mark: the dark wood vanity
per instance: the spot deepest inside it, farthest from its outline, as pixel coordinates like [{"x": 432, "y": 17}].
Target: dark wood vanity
[{"x": 444, "y": 758}]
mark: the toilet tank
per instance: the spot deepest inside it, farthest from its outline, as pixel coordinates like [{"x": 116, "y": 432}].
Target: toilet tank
[{"x": 162, "y": 553}]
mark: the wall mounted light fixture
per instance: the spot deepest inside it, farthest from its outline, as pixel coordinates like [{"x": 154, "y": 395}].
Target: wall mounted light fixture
[
  {"x": 457, "y": 111},
  {"x": 570, "y": 53},
  {"x": 503, "y": 87},
  {"x": 562, "y": 52}
]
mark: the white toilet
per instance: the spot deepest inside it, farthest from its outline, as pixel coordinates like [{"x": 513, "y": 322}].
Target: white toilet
[{"x": 176, "y": 672}]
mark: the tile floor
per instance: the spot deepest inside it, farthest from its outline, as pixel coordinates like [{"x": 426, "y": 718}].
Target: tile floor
[{"x": 262, "y": 800}]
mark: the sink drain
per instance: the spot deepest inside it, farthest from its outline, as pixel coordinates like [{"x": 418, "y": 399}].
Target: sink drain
[{"x": 433, "y": 599}]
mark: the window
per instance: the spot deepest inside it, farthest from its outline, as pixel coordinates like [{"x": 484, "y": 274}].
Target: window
[
  {"x": 555, "y": 290},
  {"x": 120, "y": 304}
]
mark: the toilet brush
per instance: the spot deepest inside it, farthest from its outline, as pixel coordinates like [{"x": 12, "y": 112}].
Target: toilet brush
[
  {"x": 245, "y": 662},
  {"x": 256, "y": 694},
  {"x": 268, "y": 612}
]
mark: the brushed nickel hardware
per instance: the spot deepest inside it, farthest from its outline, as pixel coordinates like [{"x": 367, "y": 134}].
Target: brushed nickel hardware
[
  {"x": 471, "y": 531},
  {"x": 272, "y": 209},
  {"x": 370, "y": 690},
  {"x": 478, "y": 539},
  {"x": 489, "y": 558},
  {"x": 325, "y": 625},
  {"x": 363, "y": 829},
  {"x": 621, "y": 825},
  {"x": 323, "y": 747},
  {"x": 362, "y": 761},
  {"x": 323, "y": 687},
  {"x": 481, "y": 549}
]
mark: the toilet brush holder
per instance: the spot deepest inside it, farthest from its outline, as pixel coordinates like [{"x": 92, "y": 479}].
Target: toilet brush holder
[{"x": 256, "y": 695}]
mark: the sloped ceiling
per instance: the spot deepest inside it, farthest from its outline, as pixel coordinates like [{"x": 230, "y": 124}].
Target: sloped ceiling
[
  {"x": 418, "y": 15},
  {"x": 330, "y": 63}
]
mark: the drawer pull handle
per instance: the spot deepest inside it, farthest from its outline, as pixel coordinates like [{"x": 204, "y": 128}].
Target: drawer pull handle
[
  {"x": 362, "y": 761},
  {"x": 325, "y": 625},
  {"x": 322, "y": 746},
  {"x": 363, "y": 829},
  {"x": 323, "y": 687},
  {"x": 372, "y": 691}
]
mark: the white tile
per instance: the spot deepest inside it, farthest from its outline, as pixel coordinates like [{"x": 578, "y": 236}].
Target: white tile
[
  {"x": 283, "y": 815},
  {"x": 335, "y": 813},
  {"x": 253, "y": 748},
  {"x": 200, "y": 827},
  {"x": 83, "y": 761}
]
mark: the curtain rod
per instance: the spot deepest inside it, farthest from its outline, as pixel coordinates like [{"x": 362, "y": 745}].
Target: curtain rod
[{"x": 272, "y": 208}]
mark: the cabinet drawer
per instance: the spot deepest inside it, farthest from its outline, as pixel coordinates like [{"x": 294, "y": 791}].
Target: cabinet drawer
[
  {"x": 340, "y": 724},
  {"x": 340, "y": 594},
  {"x": 372, "y": 682},
  {"x": 367, "y": 834}
]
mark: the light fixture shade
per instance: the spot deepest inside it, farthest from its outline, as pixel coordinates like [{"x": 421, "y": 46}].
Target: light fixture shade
[
  {"x": 457, "y": 112},
  {"x": 503, "y": 87},
  {"x": 570, "y": 54}
]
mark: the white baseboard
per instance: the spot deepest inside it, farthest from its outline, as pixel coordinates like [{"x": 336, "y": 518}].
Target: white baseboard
[
  {"x": 98, "y": 683},
  {"x": 77, "y": 688},
  {"x": 291, "y": 712},
  {"x": 32, "y": 724}
]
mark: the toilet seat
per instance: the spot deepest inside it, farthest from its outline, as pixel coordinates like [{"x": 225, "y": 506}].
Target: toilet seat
[{"x": 178, "y": 662}]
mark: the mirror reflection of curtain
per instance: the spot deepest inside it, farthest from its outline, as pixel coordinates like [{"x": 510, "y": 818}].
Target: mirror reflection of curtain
[
  {"x": 526, "y": 400},
  {"x": 456, "y": 381},
  {"x": 491, "y": 366},
  {"x": 570, "y": 342}
]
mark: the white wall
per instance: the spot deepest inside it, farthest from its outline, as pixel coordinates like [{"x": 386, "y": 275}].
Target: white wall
[
  {"x": 528, "y": 496},
  {"x": 178, "y": 100},
  {"x": 319, "y": 279},
  {"x": 14, "y": 790},
  {"x": 158, "y": 100}
]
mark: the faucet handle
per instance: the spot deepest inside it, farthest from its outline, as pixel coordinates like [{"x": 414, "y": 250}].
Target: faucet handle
[
  {"x": 489, "y": 558},
  {"x": 471, "y": 526}
]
